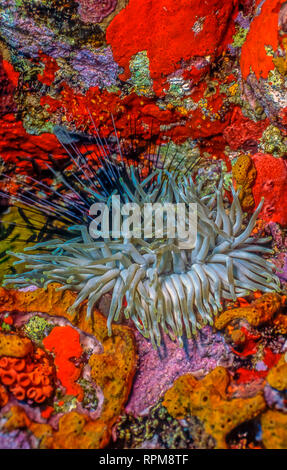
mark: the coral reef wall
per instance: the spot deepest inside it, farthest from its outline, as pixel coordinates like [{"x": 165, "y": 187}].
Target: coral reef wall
[
  {"x": 211, "y": 75},
  {"x": 211, "y": 78},
  {"x": 208, "y": 72}
]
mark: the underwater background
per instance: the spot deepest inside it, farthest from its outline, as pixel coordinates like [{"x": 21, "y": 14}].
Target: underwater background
[{"x": 121, "y": 345}]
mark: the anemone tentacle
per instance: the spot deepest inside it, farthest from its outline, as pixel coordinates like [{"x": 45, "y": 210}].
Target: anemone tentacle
[{"x": 166, "y": 288}]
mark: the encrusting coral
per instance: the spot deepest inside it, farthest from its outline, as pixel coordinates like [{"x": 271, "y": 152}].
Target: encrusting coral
[
  {"x": 280, "y": 323},
  {"x": 277, "y": 376},
  {"x": 244, "y": 174},
  {"x": 118, "y": 355},
  {"x": 4, "y": 397},
  {"x": 30, "y": 378},
  {"x": 208, "y": 400},
  {"x": 75, "y": 430},
  {"x": 37, "y": 328},
  {"x": 260, "y": 311},
  {"x": 274, "y": 430},
  {"x": 14, "y": 345},
  {"x": 64, "y": 342}
]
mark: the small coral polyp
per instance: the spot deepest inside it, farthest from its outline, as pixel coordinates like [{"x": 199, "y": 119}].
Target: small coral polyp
[
  {"x": 28, "y": 378},
  {"x": 166, "y": 288}
]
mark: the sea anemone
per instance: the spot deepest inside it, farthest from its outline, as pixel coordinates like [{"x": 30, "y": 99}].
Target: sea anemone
[{"x": 166, "y": 288}]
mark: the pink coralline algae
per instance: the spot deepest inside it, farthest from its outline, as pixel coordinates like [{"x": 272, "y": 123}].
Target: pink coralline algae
[
  {"x": 275, "y": 399},
  {"x": 14, "y": 440},
  {"x": 279, "y": 245},
  {"x": 94, "y": 11},
  {"x": 158, "y": 369},
  {"x": 281, "y": 263},
  {"x": 96, "y": 69}
]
